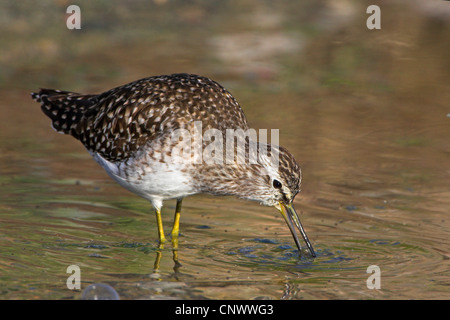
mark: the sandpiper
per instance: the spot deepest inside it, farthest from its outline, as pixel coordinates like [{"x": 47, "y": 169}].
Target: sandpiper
[{"x": 129, "y": 131}]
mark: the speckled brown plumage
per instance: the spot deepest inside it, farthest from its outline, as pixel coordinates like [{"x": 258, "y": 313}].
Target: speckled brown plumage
[
  {"x": 118, "y": 122},
  {"x": 128, "y": 131}
]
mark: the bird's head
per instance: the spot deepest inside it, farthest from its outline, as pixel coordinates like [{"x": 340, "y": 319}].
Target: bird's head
[
  {"x": 280, "y": 181},
  {"x": 272, "y": 178}
]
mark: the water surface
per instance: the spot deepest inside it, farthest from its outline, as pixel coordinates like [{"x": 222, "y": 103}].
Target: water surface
[{"x": 365, "y": 114}]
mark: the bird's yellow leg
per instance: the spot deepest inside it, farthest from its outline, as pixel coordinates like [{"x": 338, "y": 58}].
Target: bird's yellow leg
[
  {"x": 162, "y": 238},
  {"x": 176, "y": 224}
]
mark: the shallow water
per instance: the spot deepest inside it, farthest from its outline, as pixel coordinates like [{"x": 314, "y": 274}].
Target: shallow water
[{"x": 375, "y": 154}]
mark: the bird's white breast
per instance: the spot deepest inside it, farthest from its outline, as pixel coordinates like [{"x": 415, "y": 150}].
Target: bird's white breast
[{"x": 155, "y": 181}]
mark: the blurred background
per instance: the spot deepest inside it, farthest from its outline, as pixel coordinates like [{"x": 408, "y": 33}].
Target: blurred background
[{"x": 365, "y": 112}]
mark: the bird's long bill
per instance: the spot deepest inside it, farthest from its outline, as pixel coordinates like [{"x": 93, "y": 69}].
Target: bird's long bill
[{"x": 290, "y": 215}]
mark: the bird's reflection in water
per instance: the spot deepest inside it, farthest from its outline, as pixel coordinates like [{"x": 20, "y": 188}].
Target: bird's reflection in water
[{"x": 159, "y": 253}]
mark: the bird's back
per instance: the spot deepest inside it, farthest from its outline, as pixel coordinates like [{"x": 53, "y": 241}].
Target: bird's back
[{"x": 116, "y": 123}]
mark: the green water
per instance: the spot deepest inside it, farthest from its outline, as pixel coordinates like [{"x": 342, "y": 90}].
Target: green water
[{"x": 366, "y": 115}]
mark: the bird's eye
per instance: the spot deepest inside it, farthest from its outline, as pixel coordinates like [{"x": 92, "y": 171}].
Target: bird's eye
[{"x": 276, "y": 184}]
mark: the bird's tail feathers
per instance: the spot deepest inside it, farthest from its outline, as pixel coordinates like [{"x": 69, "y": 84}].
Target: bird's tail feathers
[{"x": 64, "y": 108}]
